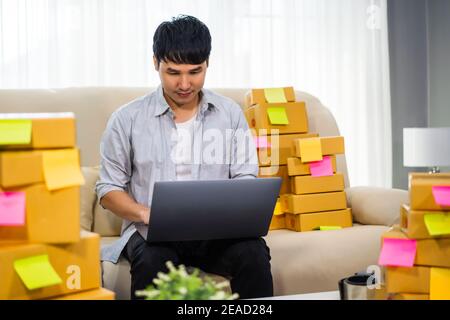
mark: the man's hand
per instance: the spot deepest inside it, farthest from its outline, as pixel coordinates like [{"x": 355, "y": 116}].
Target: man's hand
[
  {"x": 145, "y": 216},
  {"x": 124, "y": 206}
]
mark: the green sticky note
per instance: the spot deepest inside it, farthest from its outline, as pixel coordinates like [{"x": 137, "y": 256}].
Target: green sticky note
[
  {"x": 327, "y": 228},
  {"x": 277, "y": 115},
  {"x": 36, "y": 272},
  {"x": 15, "y": 131},
  {"x": 437, "y": 224},
  {"x": 275, "y": 95}
]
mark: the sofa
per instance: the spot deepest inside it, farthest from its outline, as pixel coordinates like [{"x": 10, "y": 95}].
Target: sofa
[{"x": 302, "y": 262}]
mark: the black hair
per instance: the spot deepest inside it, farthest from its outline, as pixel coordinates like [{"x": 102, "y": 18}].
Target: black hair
[{"x": 184, "y": 40}]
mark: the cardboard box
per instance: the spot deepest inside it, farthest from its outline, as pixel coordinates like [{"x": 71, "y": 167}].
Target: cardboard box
[
  {"x": 257, "y": 96},
  {"x": 310, "y": 221},
  {"x": 278, "y": 219},
  {"x": 330, "y": 146},
  {"x": 310, "y": 184},
  {"x": 413, "y": 224},
  {"x": 258, "y": 118},
  {"x": 410, "y": 280},
  {"x": 282, "y": 148},
  {"x": 420, "y": 190},
  {"x": 318, "y": 202},
  {"x": 430, "y": 252},
  {"x": 408, "y": 296},
  {"x": 96, "y": 294},
  {"x": 49, "y": 130},
  {"x": 282, "y": 173},
  {"x": 78, "y": 266},
  {"x": 297, "y": 168},
  {"x": 50, "y": 216}
]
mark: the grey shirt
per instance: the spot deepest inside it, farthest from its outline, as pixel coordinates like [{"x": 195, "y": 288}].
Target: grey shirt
[{"x": 137, "y": 145}]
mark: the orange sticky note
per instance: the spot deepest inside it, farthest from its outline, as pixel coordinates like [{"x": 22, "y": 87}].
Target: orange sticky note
[
  {"x": 310, "y": 150},
  {"x": 439, "y": 284},
  {"x": 62, "y": 169}
]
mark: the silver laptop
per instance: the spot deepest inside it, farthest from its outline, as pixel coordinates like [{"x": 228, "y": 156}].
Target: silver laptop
[{"x": 212, "y": 209}]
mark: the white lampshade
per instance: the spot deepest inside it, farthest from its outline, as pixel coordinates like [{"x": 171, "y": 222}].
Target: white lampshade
[{"x": 426, "y": 147}]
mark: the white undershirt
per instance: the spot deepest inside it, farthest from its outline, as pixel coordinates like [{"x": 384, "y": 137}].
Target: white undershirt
[{"x": 183, "y": 149}]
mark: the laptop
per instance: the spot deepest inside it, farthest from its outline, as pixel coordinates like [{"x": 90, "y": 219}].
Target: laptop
[{"x": 212, "y": 209}]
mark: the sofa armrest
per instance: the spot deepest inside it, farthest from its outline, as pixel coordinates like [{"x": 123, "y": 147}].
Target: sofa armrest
[
  {"x": 88, "y": 198},
  {"x": 376, "y": 206}
]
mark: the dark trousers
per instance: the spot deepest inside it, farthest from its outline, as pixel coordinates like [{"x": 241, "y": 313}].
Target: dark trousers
[{"x": 245, "y": 261}]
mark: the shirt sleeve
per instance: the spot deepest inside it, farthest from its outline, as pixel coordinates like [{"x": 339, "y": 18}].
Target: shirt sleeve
[{"x": 115, "y": 153}]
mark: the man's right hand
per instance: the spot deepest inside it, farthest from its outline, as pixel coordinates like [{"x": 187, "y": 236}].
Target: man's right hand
[{"x": 124, "y": 206}]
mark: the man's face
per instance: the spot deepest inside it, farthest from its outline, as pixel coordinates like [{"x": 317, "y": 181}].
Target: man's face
[{"x": 181, "y": 82}]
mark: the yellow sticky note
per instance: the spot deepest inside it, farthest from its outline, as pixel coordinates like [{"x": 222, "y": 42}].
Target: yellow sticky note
[
  {"x": 275, "y": 95},
  {"x": 36, "y": 272},
  {"x": 278, "y": 209},
  {"x": 62, "y": 169},
  {"x": 327, "y": 228},
  {"x": 278, "y": 116},
  {"x": 15, "y": 131},
  {"x": 437, "y": 224},
  {"x": 310, "y": 150},
  {"x": 439, "y": 284}
]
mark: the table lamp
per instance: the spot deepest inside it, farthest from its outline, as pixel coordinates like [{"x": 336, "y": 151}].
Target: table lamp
[{"x": 426, "y": 147}]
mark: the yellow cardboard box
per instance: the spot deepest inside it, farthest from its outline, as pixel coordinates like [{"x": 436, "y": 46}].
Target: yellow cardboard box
[
  {"x": 278, "y": 218},
  {"x": 420, "y": 190},
  {"x": 78, "y": 266},
  {"x": 258, "y": 118},
  {"x": 330, "y": 146},
  {"x": 408, "y": 296},
  {"x": 430, "y": 252},
  {"x": 310, "y": 184},
  {"x": 96, "y": 294},
  {"x": 318, "y": 202},
  {"x": 297, "y": 168},
  {"x": 264, "y": 172},
  {"x": 50, "y": 216},
  {"x": 48, "y": 130},
  {"x": 282, "y": 148},
  {"x": 410, "y": 280},
  {"x": 257, "y": 96},
  {"x": 310, "y": 221},
  {"x": 413, "y": 224}
]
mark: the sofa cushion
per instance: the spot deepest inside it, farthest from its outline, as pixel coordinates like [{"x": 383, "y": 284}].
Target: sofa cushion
[
  {"x": 106, "y": 223},
  {"x": 88, "y": 197}
]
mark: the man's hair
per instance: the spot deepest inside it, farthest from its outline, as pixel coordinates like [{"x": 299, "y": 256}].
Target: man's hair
[{"x": 184, "y": 40}]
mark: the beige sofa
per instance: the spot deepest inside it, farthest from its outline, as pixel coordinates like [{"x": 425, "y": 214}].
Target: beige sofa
[{"x": 301, "y": 262}]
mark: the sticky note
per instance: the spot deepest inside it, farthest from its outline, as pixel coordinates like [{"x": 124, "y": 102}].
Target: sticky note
[
  {"x": 398, "y": 252},
  {"x": 438, "y": 224},
  {"x": 15, "y": 131},
  {"x": 441, "y": 195},
  {"x": 321, "y": 168},
  {"x": 310, "y": 150},
  {"x": 439, "y": 284},
  {"x": 328, "y": 228},
  {"x": 278, "y": 209},
  {"x": 277, "y": 116},
  {"x": 275, "y": 95},
  {"x": 36, "y": 272},
  {"x": 61, "y": 169},
  {"x": 262, "y": 142},
  {"x": 12, "y": 208}
]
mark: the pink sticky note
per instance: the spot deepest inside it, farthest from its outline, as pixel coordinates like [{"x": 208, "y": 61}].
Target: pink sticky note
[
  {"x": 398, "y": 252},
  {"x": 261, "y": 142},
  {"x": 441, "y": 195},
  {"x": 321, "y": 168},
  {"x": 12, "y": 208}
]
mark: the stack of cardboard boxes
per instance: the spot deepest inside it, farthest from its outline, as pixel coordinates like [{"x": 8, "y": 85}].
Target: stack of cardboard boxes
[
  {"x": 43, "y": 254},
  {"x": 416, "y": 254},
  {"x": 280, "y": 127}
]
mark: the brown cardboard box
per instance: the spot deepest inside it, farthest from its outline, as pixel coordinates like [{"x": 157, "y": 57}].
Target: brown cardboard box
[
  {"x": 257, "y": 96},
  {"x": 282, "y": 173},
  {"x": 330, "y": 146},
  {"x": 50, "y": 216},
  {"x": 310, "y": 221},
  {"x": 318, "y": 202},
  {"x": 258, "y": 118},
  {"x": 408, "y": 296},
  {"x": 413, "y": 224},
  {"x": 78, "y": 266},
  {"x": 53, "y": 130},
  {"x": 430, "y": 252},
  {"x": 310, "y": 184},
  {"x": 278, "y": 218},
  {"x": 420, "y": 192},
  {"x": 96, "y": 294},
  {"x": 410, "y": 280},
  {"x": 297, "y": 168},
  {"x": 282, "y": 148}
]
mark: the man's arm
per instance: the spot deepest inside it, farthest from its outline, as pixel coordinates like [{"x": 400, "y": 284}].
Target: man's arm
[{"x": 120, "y": 203}]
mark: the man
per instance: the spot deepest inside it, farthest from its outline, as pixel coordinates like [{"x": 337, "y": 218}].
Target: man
[{"x": 161, "y": 136}]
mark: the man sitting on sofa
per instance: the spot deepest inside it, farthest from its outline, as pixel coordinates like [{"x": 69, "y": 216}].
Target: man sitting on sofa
[{"x": 138, "y": 148}]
